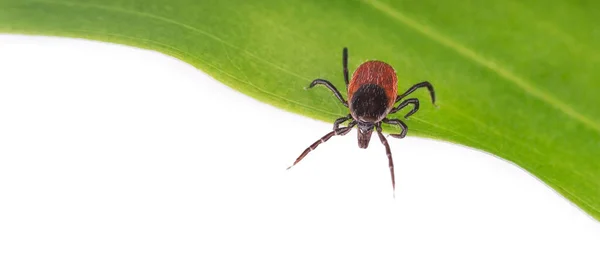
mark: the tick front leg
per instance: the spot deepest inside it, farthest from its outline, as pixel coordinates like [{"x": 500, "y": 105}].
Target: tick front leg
[
  {"x": 345, "y": 64},
  {"x": 339, "y": 121},
  {"x": 399, "y": 123},
  {"x": 331, "y": 87},
  {"x": 405, "y": 103}
]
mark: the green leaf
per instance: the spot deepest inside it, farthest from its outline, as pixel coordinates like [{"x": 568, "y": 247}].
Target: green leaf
[{"x": 514, "y": 78}]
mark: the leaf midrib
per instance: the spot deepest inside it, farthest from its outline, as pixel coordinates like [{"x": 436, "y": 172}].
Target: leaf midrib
[{"x": 470, "y": 54}]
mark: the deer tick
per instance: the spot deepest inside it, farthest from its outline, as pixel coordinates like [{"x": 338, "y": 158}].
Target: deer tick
[{"x": 372, "y": 92}]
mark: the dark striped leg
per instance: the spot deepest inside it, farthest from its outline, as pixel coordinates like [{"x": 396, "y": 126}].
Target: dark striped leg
[
  {"x": 336, "y": 123},
  {"x": 417, "y": 86},
  {"x": 331, "y": 87},
  {"x": 405, "y": 103},
  {"x": 339, "y": 131},
  {"x": 399, "y": 123},
  {"x": 389, "y": 156},
  {"x": 345, "y": 64}
]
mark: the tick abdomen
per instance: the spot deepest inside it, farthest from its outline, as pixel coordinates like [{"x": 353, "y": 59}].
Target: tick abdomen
[{"x": 369, "y": 103}]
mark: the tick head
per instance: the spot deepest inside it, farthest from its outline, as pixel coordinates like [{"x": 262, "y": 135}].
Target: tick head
[{"x": 365, "y": 129}]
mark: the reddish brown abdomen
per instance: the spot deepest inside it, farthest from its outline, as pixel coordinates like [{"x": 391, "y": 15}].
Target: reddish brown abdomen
[{"x": 378, "y": 73}]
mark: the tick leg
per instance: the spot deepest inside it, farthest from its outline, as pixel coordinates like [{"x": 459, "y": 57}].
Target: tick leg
[
  {"x": 331, "y": 87},
  {"x": 339, "y": 131},
  {"x": 417, "y": 86},
  {"x": 389, "y": 156},
  {"x": 345, "y": 63},
  {"x": 339, "y": 121},
  {"x": 405, "y": 103},
  {"x": 399, "y": 123}
]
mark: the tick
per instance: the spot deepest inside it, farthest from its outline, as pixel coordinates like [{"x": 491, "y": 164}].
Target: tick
[{"x": 372, "y": 94}]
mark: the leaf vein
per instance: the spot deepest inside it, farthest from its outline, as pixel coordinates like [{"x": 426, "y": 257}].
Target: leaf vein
[{"x": 177, "y": 23}]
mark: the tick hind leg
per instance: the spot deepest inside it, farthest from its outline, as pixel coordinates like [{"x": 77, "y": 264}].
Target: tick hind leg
[
  {"x": 339, "y": 131},
  {"x": 398, "y": 123},
  {"x": 331, "y": 87},
  {"x": 336, "y": 123},
  {"x": 389, "y": 156},
  {"x": 415, "y": 87},
  {"x": 413, "y": 101}
]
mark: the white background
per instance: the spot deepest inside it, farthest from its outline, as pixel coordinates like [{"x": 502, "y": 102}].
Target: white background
[{"x": 115, "y": 156}]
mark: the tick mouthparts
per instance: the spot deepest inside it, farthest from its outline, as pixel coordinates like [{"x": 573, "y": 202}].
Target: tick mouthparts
[{"x": 364, "y": 138}]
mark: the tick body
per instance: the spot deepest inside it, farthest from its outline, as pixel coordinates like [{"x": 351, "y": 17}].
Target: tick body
[{"x": 372, "y": 94}]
